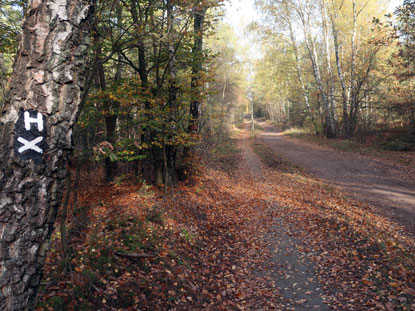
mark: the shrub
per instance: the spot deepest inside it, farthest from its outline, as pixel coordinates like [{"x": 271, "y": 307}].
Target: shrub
[{"x": 396, "y": 145}]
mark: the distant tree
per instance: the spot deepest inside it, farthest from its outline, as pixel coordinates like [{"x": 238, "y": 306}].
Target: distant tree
[
  {"x": 199, "y": 13},
  {"x": 336, "y": 61},
  {"x": 227, "y": 85},
  {"x": 11, "y": 14},
  {"x": 406, "y": 68}
]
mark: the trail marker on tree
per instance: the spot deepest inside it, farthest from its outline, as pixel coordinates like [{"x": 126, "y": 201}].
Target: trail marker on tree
[
  {"x": 40, "y": 110},
  {"x": 30, "y": 142}
]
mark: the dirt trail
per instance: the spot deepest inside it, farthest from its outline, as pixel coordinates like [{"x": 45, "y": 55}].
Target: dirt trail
[
  {"x": 363, "y": 178},
  {"x": 290, "y": 270}
]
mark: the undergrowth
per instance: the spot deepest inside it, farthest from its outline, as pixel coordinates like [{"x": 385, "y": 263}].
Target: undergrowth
[
  {"x": 134, "y": 248},
  {"x": 372, "y": 143},
  {"x": 396, "y": 146},
  {"x": 225, "y": 157},
  {"x": 120, "y": 257}
]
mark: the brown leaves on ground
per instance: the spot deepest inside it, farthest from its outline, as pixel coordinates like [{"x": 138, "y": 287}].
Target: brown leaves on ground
[
  {"x": 207, "y": 239},
  {"x": 201, "y": 235},
  {"x": 366, "y": 262}
]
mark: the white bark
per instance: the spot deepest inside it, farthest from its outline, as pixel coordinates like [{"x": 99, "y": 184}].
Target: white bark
[{"x": 312, "y": 52}]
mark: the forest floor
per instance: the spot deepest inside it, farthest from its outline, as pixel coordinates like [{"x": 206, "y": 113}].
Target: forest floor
[
  {"x": 390, "y": 187},
  {"x": 248, "y": 231}
]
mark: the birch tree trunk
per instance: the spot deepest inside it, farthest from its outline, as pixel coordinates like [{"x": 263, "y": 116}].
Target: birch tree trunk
[
  {"x": 331, "y": 87},
  {"x": 35, "y": 139},
  {"x": 252, "y": 116},
  {"x": 349, "y": 126},
  {"x": 330, "y": 125},
  {"x": 336, "y": 45},
  {"x": 298, "y": 65}
]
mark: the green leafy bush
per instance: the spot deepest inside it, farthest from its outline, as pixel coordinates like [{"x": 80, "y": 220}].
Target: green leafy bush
[{"x": 396, "y": 145}]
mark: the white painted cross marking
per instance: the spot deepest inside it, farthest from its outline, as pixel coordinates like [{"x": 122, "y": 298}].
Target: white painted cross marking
[
  {"x": 30, "y": 145},
  {"x": 28, "y": 120}
]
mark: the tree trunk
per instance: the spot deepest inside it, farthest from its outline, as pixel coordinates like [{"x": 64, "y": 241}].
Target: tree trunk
[
  {"x": 330, "y": 128},
  {"x": 64, "y": 214},
  {"x": 330, "y": 125},
  {"x": 349, "y": 127},
  {"x": 252, "y": 116},
  {"x": 298, "y": 66},
  {"x": 142, "y": 64},
  {"x": 2, "y": 81},
  {"x": 199, "y": 18},
  {"x": 330, "y": 86},
  {"x": 110, "y": 126},
  {"x": 110, "y": 167},
  {"x": 345, "y": 99},
  {"x": 36, "y": 138},
  {"x": 172, "y": 99}
]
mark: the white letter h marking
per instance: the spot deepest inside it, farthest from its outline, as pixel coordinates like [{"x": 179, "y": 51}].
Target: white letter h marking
[
  {"x": 31, "y": 145},
  {"x": 28, "y": 120}
]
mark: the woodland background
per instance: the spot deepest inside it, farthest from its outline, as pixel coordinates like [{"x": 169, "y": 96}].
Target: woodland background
[
  {"x": 168, "y": 81},
  {"x": 154, "y": 90}
]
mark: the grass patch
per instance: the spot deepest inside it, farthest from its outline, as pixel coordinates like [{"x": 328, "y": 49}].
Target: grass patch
[
  {"x": 274, "y": 160},
  {"x": 298, "y": 133},
  {"x": 258, "y": 127},
  {"x": 381, "y": 143},
  {"x": 225, "y": 157},
  {"x": 402, "y": 142}
]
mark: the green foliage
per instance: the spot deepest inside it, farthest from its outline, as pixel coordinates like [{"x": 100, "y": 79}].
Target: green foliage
[
  {"x": 227, "y": 87},
  {"x": 297, "y": 132},
  {"x": 11, "y": 14},
  {"x": 131, "y": 114},
  {"x": 145, "y": 190},
  {"x": 406, "y": 29},
  {"x": 396, "y": 145},
  {"x": 187, "y": 235},
  {"x": 138, "y": 113},
  {"x": 54, "y": 303},
  {"x": 155, "y": 216},
  {"x": 405, "y": 62}
]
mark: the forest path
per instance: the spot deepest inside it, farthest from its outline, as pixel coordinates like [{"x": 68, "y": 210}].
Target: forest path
[
  {"x": 364, "y": 178},
  {"x": 291, "y": 269}
]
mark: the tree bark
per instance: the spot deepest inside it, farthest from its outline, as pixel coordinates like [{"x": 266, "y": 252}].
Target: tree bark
[
  {"x": 171, "y": 174},
  {"x": 197, "y": 66},
  {"x": 110, "y": 118},
  {"x": 349, "y": 126},
  {"x": 330, "y": 126},
  {"x": 345, "y": 99},
  {"x": 330, "y": 84},
  {"x": 2, "y": 81},
  {"x": 64, "y": 214},
  {"x": 42, "y": 102},
  {"x": 142, "y": 64},
  {"x": 298, "y": 65}
]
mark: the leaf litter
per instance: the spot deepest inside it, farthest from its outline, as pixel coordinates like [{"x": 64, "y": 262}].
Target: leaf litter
[{"x": 241, "y": 234}]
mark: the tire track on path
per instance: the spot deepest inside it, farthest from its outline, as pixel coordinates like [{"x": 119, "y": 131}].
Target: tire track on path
[
  {"x": 363, "y": 178},
  {"x": 290, "y": 270}
]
